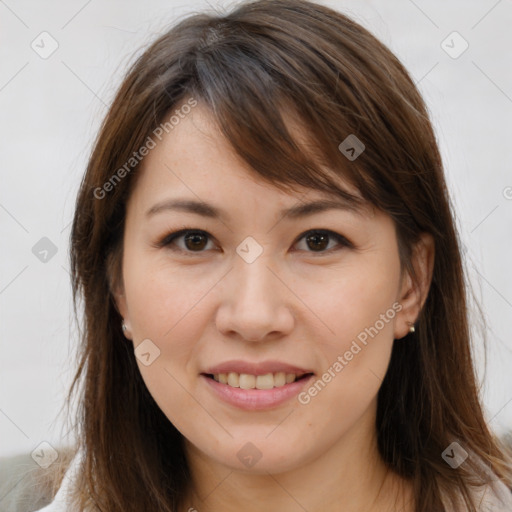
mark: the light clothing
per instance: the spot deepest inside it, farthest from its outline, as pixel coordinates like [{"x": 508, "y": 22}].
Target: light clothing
[{"x": 60, "y": 502}]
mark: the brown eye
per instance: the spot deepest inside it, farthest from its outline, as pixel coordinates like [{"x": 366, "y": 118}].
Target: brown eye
[
  {"x": 195, "y": 241},
  {"x": 321, "y": 240},
  {"x": 190, "y": 241},
  {"x": 317, "y": 241}
]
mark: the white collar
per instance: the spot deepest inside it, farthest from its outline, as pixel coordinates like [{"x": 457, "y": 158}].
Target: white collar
[{"x": 61, "y": 502}]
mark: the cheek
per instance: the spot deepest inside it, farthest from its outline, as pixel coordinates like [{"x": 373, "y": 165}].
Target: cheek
[
  {"x": 162, "y": 301},
  {"x": 353, "y": 299},
  {"x": 166, "y": 308},
  {"x": 358, "y": 309}
]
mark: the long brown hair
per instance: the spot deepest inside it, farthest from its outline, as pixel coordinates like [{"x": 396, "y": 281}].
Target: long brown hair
[{"x": 264, "y": 60}]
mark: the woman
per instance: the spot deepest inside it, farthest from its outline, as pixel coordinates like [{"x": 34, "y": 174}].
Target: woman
[{"x": 275, "y": 305}]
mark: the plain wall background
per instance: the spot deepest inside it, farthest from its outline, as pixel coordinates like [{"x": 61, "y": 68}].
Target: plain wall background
[{"x": 50, "y": 111}]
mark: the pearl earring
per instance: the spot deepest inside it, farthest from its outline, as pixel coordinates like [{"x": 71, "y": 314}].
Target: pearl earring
[
  {"x": 123, "y": 325},
  {"x": 412, "y": 329}
]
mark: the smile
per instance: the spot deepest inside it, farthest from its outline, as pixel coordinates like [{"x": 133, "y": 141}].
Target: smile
[
  {"x": 248, "y": 381},
  {"x": 251, "y": 392}
]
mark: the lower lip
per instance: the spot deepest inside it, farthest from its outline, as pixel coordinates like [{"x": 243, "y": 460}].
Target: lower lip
[{"x": 256, "y": 399}]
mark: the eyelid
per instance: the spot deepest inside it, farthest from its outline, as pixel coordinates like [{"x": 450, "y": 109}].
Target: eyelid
[
  {"x": 170, "y": 237},
  {"x": 343, "y": 241},
  {"x": 167, "y": 240}
]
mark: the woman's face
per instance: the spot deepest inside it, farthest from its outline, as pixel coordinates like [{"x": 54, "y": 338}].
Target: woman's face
[{"x": 256, "y": 293}]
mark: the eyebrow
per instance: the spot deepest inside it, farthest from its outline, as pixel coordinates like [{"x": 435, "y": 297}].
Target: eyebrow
[{"x": 294, "y": 212}]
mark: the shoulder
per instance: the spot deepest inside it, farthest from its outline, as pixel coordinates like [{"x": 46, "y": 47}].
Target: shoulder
[{"x": 26, "y": 486}]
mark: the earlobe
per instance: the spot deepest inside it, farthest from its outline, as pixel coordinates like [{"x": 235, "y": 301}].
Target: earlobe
[
  {"x": 414, "y": 290},
  {"x": 126, "y": 330}
]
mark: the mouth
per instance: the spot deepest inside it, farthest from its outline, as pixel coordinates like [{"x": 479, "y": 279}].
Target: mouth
[
  {"x": 256, "y": 392},
  {"x": 248, "y": 381}
]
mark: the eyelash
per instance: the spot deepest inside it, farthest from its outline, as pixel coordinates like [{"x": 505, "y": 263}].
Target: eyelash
[{"x": 170, "y": 238}]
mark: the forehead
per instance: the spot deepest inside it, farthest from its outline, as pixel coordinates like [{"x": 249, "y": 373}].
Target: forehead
[{"x": 194, "y": 163}]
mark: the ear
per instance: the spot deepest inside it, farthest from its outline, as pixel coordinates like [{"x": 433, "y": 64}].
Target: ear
[
  {"x": 120, "y": 301},
  {"x": 119, "y": 298},
  {"x": 413, "y": 294},
  {"x": 116, "y": 286}
]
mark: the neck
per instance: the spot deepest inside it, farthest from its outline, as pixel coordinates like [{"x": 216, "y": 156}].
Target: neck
[{"x": 349, "y": 476}]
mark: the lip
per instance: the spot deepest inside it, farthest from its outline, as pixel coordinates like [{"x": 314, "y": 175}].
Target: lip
[
  {"x": 260, "y": 368},
  {"x": 256, "y": 399}
]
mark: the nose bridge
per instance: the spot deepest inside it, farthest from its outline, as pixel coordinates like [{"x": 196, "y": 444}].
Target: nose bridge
[
  {"x": 254, "y": 280},
  {"x": 254, "y": 304}
]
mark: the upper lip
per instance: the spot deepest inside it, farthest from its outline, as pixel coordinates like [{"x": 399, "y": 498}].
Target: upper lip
[{"x": 259, "y": 368}]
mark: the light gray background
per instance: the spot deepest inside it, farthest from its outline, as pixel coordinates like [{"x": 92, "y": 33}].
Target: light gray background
[{"x": 51, "y": 110}]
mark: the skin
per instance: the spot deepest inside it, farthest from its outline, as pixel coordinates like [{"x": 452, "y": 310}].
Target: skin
[{"x": 293, "y": 303}]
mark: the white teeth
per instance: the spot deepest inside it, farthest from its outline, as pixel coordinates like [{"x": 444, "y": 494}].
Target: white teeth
[
  {"x": 265, "y": 381},
  {"x": 280, "y": 379},
  {"x": 233, "y": 380},
  {"x": 290, "y": 377},
  {"x": 247, "y": 381}
]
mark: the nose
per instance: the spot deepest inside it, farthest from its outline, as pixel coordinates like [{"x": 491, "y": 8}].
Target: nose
[{"x": 255, "y": 304}]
